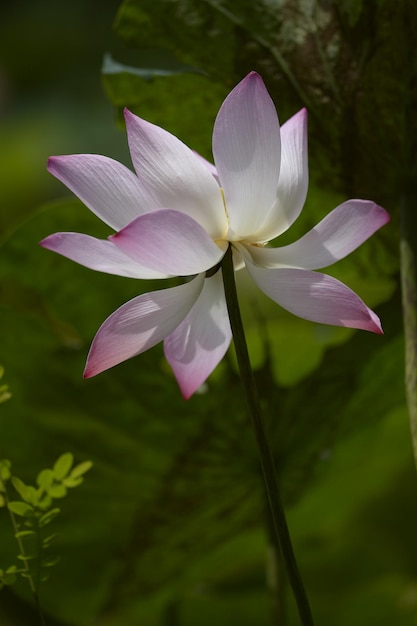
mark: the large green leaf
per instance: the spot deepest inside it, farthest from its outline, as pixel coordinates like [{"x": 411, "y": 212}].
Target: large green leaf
[{"x": 350, "y": 63}]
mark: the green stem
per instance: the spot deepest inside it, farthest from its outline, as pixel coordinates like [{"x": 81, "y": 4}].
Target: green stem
[
  {"x": 408, "y": 242},
  {"x": 39, "y": 609},
  {"x": 408, "y": 253},
  {"x": 18, "y": 539},
  {"x": 26, "y": 570},
  {"x": 275, "y": 579},
  {"x": 265, "y": 454}
]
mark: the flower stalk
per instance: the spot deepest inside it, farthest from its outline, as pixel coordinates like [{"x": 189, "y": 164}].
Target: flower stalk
[{"x": 276, "y": 507}]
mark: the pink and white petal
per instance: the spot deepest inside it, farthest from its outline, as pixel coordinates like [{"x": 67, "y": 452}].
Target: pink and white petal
[
  {"x": 211, "y": 168},
  {"x": 97, "y": 254},
  {"x": 170, "y": 242},
  {"x": 106, "y": 187},
  {"x": 174, "y": 176},
  {"x": 293, "y": 178},
  {"x": 140, "y": 324},
  {"x": 199, "y": 343},
  {"x": 315, "y": 297},
  {"x": 246, "y": 148},
  {"x": 336, "y": 236}
]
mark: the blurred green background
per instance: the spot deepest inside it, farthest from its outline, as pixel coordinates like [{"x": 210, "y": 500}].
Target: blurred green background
[{"x": 169, "y": 528}]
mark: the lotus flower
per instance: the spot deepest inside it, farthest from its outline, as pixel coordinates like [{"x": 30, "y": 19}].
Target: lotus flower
[{"x": 177, "y": 215}]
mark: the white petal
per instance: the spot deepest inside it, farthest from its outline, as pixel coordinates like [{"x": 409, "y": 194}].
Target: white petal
[
  {"x": 140, "y": 324},
  {"x": 97, "y": 254},
  {"x": 174, "y": 175},
  {"x": 199, "y": 343},
  {"x": 211, "y": 168},
  {"x": 106, "y": 187},
  {"x": 169, "y": 241},
  {"x": 336, "y": 236},
  {"x": 246, "y": 148},
  {"x": 316, "y": 297},
  {"x": 293, "y": 178}
]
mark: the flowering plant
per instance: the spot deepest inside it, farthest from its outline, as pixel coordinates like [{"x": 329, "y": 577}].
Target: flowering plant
[{"x": 178, "y": 215}]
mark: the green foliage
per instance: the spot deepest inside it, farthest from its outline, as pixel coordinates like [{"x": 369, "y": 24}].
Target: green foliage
[
  {"x": 352, "y": 9},
  {"x": 4, "y": 389},
  {"x": 148, "y": 25},
  {"x": 35, "y": 509},
  {"x": 350, "y": 63},
  {"x": 172, "y": 527},
  {"x": 177, "y": 483}
]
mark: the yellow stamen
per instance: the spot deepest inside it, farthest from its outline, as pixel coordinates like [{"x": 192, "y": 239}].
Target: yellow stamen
[{"x": 224, "y": 204}]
